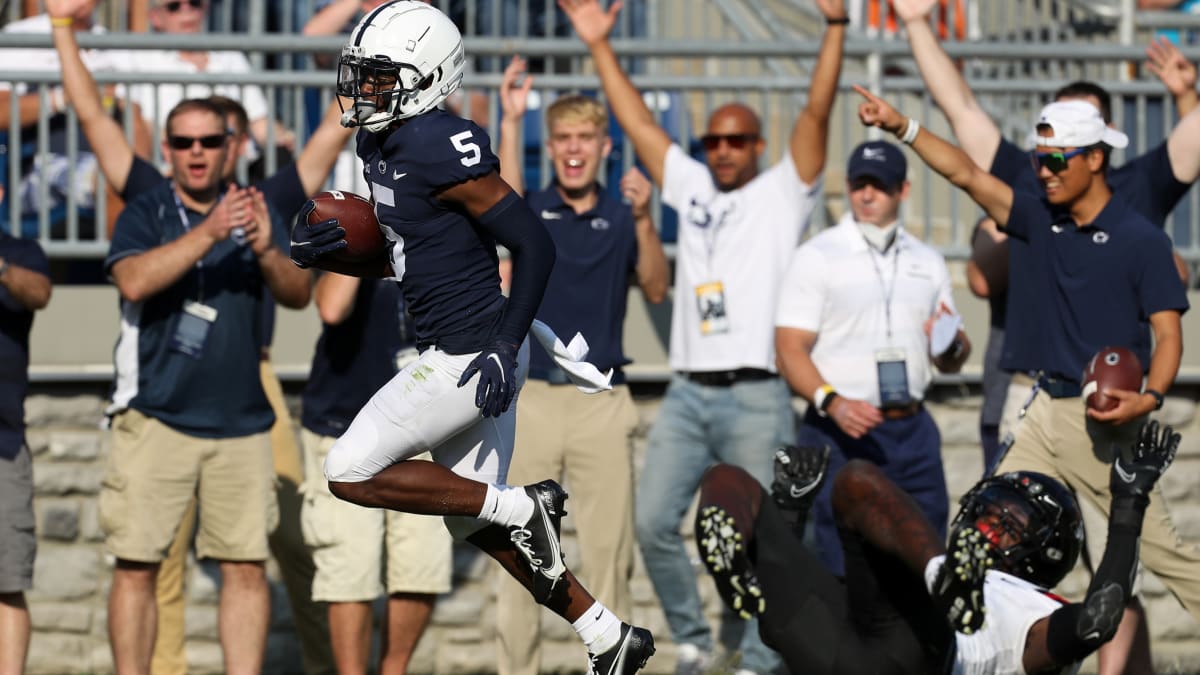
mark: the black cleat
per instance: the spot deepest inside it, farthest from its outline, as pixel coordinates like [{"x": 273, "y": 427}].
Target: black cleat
[
  {"x": 724, "y": 553},
  {"x": 958, "y": 589},
  {"x": 799, "y": 475},
  {"x": 538, "y": 539},
  {"x": 626, "y": 657}
]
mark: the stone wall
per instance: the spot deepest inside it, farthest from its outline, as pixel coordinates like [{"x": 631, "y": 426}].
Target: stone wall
[{"x": 73, "y": 570}]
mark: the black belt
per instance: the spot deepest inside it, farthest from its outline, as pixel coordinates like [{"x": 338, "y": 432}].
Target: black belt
[
  {"x": 901, "y": 412},
  {"x": 559, "y": 376},
  {"x": 726, "y": 378},
  {"x": 1058, "y": 388}
]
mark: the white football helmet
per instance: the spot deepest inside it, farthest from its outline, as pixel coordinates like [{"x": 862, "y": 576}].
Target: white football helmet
[{"x": 402, "y": 59}]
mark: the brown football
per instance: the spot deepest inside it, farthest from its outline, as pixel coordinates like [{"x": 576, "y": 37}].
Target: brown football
[
  {"x": 1111, "y": 368},
  {"x": 356, "y": 215}
]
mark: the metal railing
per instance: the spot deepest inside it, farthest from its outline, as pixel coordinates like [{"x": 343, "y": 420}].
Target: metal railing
[{"x": 684, "y": 85}]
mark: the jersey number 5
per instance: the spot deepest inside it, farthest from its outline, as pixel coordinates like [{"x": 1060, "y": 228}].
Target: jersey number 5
[{"x": 462, "y": 143}]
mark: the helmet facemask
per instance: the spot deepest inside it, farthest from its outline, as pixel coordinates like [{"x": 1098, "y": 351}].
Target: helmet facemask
[
  {"x": 1031, "y": 523},
  {"x": 378, "y": 88}
]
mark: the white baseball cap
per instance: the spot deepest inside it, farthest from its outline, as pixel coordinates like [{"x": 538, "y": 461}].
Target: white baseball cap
[{"x": 1076, "y": 124}]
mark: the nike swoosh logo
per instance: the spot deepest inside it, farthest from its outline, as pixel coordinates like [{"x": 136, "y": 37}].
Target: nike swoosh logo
[
  {"x": 555, "y": 570},
  {"x": 493, "y": 357},
  {"x": 618, "y": 664},
  {"x": 797, "y": 491},
  {"x": 1121, "y": 473},
  {"x": 399, "y": 174}
]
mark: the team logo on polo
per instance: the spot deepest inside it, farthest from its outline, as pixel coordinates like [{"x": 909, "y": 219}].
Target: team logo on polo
[
  {"x": 599, "y": 224},
  {"x": 1100, "y": 237}
]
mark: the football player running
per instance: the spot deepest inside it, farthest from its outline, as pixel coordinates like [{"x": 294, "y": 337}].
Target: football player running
[
  {"x": 443, "y": 207},
  {"x": 909, "y": 605}
]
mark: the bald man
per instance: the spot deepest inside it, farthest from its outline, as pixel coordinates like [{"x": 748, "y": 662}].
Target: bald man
[{"x": 738, "y": 227}]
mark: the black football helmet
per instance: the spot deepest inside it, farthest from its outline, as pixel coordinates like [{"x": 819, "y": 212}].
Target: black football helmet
[{"x": 1032, "y": 522}]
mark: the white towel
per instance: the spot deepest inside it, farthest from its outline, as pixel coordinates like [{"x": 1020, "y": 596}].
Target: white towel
[{"x": 570, "y": 357}]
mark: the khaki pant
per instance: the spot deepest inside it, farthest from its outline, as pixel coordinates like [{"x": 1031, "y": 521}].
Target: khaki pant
[
  {"x": 1056, "y": 438},
  {"x": 287, "y": 547},
  {"x": 584, "y": 438}
]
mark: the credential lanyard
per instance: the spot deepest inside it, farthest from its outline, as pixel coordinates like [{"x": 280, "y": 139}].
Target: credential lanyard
[
  {"x": 888, "y": 289},
  {"x": 187, "y": 226}
]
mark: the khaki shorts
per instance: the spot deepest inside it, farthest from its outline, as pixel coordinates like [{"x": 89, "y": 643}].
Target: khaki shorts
[
  {"x": 153, "y": 473},
  {"x": 350, "y": 543}
]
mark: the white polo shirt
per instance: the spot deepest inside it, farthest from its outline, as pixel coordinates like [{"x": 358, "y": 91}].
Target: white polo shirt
[
  {"x": 839, "y": 287},
  {"x": 735, "y": 245}
]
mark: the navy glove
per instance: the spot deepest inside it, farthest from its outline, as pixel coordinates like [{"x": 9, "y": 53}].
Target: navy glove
[
  {"x": 1148, "y": 459},
  {"x": 312, "y": 242},
  {"x": 497, "y": 368}
]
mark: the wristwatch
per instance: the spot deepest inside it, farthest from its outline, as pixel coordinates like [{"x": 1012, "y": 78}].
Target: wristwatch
[{"x": 1158, "y": 398}]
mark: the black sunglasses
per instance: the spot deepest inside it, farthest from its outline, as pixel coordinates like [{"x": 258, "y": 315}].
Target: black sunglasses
[
  {"x": 1056, "y": 162},
  {"x": 176, "y": 5},
  {"x": 186, "y": 142},
  {"x": 736, "y": 141}
]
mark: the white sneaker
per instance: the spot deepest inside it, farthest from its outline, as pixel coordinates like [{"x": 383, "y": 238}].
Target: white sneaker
[{"x": 691, "y": 660}]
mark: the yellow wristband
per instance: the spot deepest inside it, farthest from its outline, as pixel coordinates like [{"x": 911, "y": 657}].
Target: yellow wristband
[{"x": 62, "y": 21}]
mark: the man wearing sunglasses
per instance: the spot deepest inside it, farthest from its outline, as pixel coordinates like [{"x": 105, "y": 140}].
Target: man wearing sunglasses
[
  {"x": 1152, "y": 183},
  {"x": 1100, "y": 272},
  {"x": 855, "y": 333},
  {"x": 738, "y": 227}
]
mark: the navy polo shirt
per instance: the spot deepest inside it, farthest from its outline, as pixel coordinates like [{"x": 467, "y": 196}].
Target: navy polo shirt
[
  {"x": 283, "y": 192},
  {"x": 218, "y": 395},
  {"x": 355, "y": 358},
  {"x": 589, "y": 286},
  {"x": 1088, "y": 286},
  {"x": 15, "y": 324},
  {"x": 1145, "y": 183}
]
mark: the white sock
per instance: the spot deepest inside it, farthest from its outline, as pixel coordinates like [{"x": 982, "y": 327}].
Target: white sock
[
  {"x": 506, "y": 506},
  {"x": 599, "y": 628}
]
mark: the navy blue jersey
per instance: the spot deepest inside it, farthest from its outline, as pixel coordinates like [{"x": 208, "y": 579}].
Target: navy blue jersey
[
  {"x": 355, "y": 358},
  {"x": 15, "y": 324},
  {"x": 218, "y": 395},
  {"x": 1089, "y": 286},
  {"x": 446, "y": 263},
  {"x": 589, "y": 286}
]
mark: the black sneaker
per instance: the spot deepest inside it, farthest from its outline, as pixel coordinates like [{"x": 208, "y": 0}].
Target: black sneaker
[
  {"x": 724, "y": 554},
  {"x": 628, "y": 656},
  {"x": 799, "y": 475},
  {"x": 538, "y": 539},
  {"x": 958, "y": 588}
]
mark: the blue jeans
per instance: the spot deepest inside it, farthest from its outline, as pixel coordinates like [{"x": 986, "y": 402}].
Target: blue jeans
[
  {"x": 908, "y": 450},
  {"x": 699, "y": 426}
]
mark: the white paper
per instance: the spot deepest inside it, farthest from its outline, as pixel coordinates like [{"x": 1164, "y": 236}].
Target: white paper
[
  {"x": 941, "y": 336},
  {"x": 570, "y": 357}
]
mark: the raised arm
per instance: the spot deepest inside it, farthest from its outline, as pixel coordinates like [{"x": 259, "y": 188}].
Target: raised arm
[
  {"x": 995, "y": 197},
  {"x": 513, "y": 98},
  {"x": 103, "y": 133},
  {"x": 1183, "y": 148},
  {"x": 321, "y": 151},
  {"x": 809, "y": 135},
  {"x": 976, "y": 132},
  {"x": 593, "y": 25},
  {"x": 1076, "y": 630}
]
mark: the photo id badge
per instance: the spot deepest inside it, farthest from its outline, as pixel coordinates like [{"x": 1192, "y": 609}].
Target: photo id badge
[
  {"x": 710, "y": 299},
  {"x": 191, "y": 332},
  {"x": 893, "y": 378}
]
